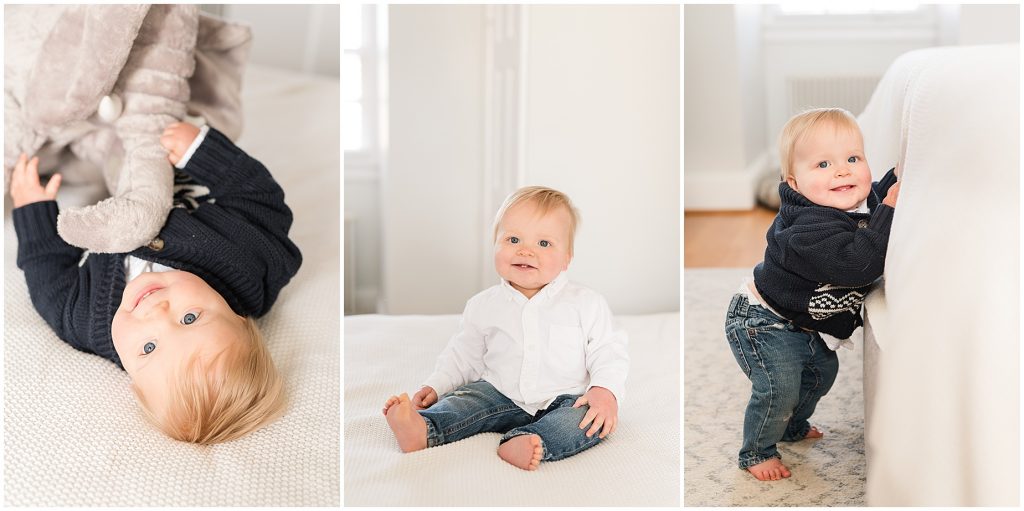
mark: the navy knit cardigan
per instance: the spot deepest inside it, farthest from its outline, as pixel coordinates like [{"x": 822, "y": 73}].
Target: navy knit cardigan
[
  {"x": 821, "y": 261},
  {"x": 237, "y": 242}
]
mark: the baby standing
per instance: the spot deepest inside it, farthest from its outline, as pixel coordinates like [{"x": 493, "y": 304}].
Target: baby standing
[{"x": 825, "y": 249}]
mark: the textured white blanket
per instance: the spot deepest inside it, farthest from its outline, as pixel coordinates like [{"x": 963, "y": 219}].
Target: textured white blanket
[
  {"x": 73, "y": 435},
  {"x": 942, "y": 360},
  {"x": 638, "y": 465}
]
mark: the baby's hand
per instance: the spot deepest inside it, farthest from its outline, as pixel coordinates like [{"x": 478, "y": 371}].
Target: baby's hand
[
  {"x": 25, "y": 186},
  {"x": 424, "y": 398},
  {"x": 604, "y": 411},
  {"x": 892, "y": 195},
  {"x": 177, "y": 138}
]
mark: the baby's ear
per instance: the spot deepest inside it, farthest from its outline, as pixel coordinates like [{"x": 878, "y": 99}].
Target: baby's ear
[{"x": 791, "y": 181}]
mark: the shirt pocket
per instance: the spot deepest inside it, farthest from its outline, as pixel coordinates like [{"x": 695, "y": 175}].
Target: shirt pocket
[{"x": 567, "y": 352}]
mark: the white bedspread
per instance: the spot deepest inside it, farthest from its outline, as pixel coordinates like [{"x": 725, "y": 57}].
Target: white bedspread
[
  {"x": 943, "y": 343},
  {"x": 73, "y": 435},
  {"x": 638, "y": 465}
]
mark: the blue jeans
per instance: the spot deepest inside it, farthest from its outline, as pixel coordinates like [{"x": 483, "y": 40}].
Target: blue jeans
[
  {"x": 479, "y": 408},
  {"x": 790, "y": 369}
]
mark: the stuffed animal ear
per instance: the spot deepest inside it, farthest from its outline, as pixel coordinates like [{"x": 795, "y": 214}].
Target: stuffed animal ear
[
  {"x": 222, "y": 50},
  {"x": 79, "y": 62}
]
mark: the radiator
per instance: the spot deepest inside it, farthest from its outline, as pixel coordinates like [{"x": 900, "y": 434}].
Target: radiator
[{"x": 849, "y": 92}]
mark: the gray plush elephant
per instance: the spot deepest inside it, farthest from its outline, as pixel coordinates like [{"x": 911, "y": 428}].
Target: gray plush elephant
[{"x": 90, "y": 88}]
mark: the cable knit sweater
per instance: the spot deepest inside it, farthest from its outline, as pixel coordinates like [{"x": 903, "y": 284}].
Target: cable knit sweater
[
  {"x": 237, "y": 242},
  {"x": 821, "y": 261}
]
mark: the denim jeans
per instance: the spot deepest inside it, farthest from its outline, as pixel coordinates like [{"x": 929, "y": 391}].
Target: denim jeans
[
  {"x": 479, "y": 408},
  {"x": 790, "y": 369}
]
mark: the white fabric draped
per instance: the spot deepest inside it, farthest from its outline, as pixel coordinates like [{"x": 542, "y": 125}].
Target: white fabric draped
[{"x": 942, "y": 345}]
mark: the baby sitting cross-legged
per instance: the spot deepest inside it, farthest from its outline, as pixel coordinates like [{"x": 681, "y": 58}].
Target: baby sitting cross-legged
[
  {"x": 177, "y": 314},
  {"x": 537, "y": 357}
]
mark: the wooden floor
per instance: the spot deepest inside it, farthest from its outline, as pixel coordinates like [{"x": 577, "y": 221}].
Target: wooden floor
[{"x": 725, "y": 239}]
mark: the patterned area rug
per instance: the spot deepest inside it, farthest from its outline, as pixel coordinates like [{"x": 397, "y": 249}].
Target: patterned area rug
[{"x": 826, "y": 472}]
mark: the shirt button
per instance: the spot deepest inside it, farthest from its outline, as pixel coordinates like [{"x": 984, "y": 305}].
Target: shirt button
[{"x": 156, "y": 245}]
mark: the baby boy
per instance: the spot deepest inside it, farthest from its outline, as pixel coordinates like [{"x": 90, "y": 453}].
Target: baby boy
[
  {"x": 537, "y": 357},
  {"x": 825, "y": 249},
  {"x": 177, "y": 314}
]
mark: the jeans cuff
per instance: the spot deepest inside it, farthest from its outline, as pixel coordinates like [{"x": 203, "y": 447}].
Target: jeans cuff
[
  {"x": 800, "y": 435},
  {"x": 754, "y": 460},
  {"x": 434, "y": 437}
]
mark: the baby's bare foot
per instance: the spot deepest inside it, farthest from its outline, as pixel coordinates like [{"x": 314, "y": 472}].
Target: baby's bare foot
[
  {"x": 814, "y": 433},
  {"x": 771, "y": 470},
  {"x": 392, "y": 401},
  {"x": 523, "y": 451},
  {"x": 408, "y": 426}
]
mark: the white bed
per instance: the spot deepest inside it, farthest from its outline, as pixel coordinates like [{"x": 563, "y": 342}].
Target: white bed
[
  {"x": 638, "y": 465},
  {"x": 73, "y": 435}
]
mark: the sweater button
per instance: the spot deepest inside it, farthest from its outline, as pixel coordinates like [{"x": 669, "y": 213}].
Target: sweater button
[
  {"x": 156, "y": 245},
  {"x": 862, "y": 224}
]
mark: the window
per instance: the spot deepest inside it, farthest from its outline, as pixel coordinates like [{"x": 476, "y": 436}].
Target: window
[
  {"x": 359, "y": 64},
  {"x": 861, "y": 21},
  {"x": 859, "y": 8}
]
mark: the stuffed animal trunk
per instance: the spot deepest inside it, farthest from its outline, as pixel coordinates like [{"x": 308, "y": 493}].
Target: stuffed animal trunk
[{"x": 91, "y": 88}]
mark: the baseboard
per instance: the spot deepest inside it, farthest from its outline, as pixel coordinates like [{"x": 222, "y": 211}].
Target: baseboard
[{"x": 718, "y": 189}]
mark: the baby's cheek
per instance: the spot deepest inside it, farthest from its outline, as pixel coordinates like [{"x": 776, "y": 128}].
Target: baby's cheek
[{"x": 120, "y": 329}]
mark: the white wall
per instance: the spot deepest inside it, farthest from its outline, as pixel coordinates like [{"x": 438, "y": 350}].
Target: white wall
[
  {"x": 989, "y": 24},
  {"x": 297, "y": 37},
  {"x": 717, "y": 127},
  {"x": 601, "y": 123},
  {"x": 603, "y": 126},
  {"x": 752, "y": 81},
  {"x": 362, "y": 205},
  {"x": 431, "y": 186}
]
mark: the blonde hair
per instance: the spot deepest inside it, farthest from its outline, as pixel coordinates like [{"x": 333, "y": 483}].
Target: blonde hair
[
  {"x": 545, "y": 199},
  {"x": 210, "y": 406},
  {"x": 802, "y": 123}
]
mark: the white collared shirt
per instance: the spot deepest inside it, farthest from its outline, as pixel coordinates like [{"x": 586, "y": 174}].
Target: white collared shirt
[
  {"x": 561, "y": 341},
  {"x": 133, "y": 267}
]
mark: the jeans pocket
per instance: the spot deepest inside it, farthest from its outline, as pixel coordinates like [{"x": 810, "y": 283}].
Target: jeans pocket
[
  {"x": 762, "y": 322},
  {"x": 736, "y": 343}
]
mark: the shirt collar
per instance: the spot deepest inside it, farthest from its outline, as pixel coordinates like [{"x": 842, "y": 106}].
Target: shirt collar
[
  {"x": 861, "y": 208},
  {"x": 546, "y": 292}
]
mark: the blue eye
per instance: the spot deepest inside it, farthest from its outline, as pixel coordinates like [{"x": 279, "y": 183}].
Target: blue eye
[
  {"x": 149, "y": 347},
  {"x": 513, "y": 240},
  {"x": 189, "y": 318},
  {"x": 823, "y": 164},
  {"x": 852, "y": 159},
  {"x": 544, "y": 243}
]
